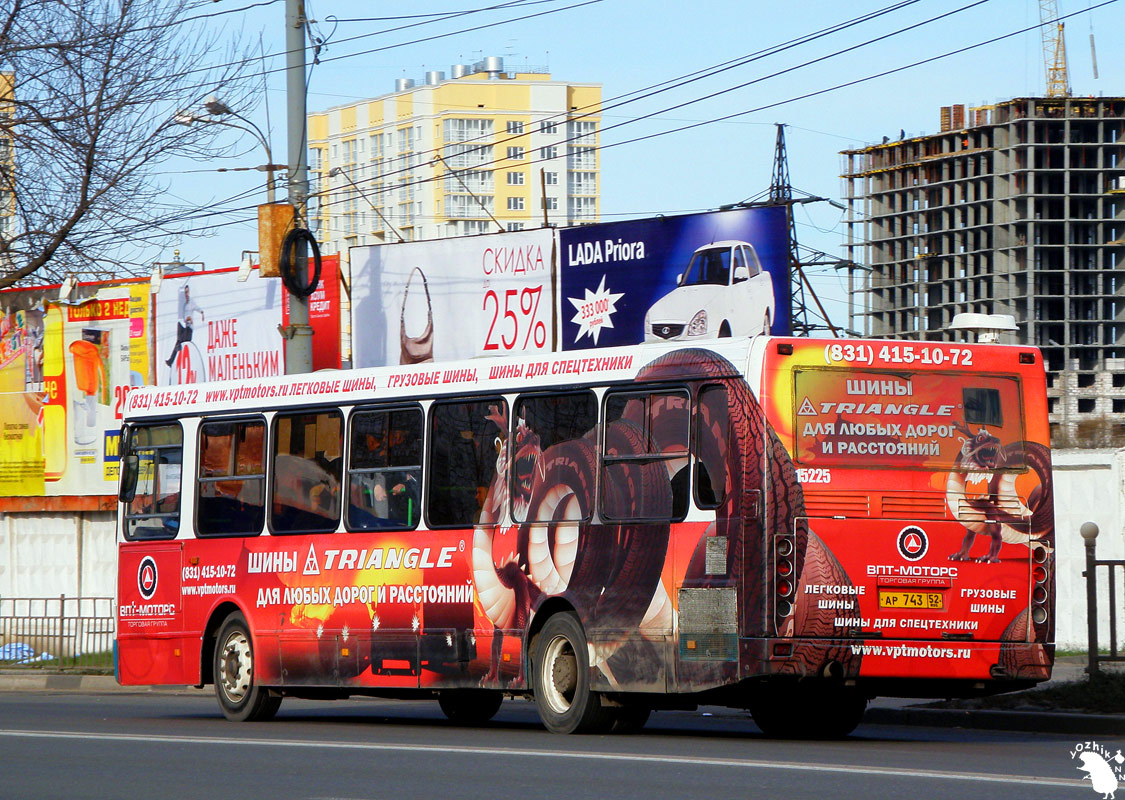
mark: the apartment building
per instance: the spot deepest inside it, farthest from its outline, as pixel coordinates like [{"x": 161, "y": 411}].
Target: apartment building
[
  {"x": 482, "y": 150},
  {"x": 1014, "y": 208}
]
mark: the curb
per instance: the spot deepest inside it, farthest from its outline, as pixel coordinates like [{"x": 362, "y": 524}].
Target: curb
[
  {"x": 88, "y": 684},
  {"x": 981, "y": 719}
]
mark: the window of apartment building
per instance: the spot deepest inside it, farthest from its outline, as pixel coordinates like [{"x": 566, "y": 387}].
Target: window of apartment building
[
  {"x": 551, "y": 178},
  {"x": 581, "y": 158},
  {"x": 474, "y": 181},
  {"x": 471, "y": 226},
  {"x": 463, "y": 205},
  {"x": 581, "y": 132},
  {"x": 549, "y": 203},
  {"x": 547, "y": 126},
  {"x": 550, "y": 151},
  {"x": 515, "y": 179},
  {"x": 582, "y": 183},
  {"x": 514, "y": 226},
  {"x": 582, "y": 207},
  {"x": 515, "y": 127},
  {"x": 459, "y": 156},
  {"x": 515, "y": 153},
  {"x": 348, "y": 146},
  {"x": 464, "y": 130},
  {"x": 515, "y": 204}
]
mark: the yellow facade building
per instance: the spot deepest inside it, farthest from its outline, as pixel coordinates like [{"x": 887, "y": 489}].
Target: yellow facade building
[{"x": 480, "y": 151}]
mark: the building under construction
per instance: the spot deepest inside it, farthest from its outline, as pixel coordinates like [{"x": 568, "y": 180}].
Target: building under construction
[{"x": 1015, "y": 208}]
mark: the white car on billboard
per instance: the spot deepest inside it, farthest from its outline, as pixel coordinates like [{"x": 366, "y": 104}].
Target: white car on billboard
[{"x": 723, "y": 292}]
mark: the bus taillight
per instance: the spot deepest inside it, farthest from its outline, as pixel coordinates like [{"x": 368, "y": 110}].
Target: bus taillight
[
  {"x": 783, "y": 582},
  {"x": 1039, "y": 594}
]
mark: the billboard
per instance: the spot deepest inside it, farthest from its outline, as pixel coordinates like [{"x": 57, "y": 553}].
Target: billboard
[
  {"x": 686, "y": 278},
  {"x": 447, "y": 299},
  {"x": 65, "y": 370},
  {"x": 324, "y": 315},
  {"x": 212, "y": 327}
]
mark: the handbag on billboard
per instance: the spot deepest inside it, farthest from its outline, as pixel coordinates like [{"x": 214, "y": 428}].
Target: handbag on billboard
[{"x": 417, "y": 349}]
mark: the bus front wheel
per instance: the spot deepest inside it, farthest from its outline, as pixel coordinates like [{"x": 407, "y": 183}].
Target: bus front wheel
[
  {"x": 469, "y": 706},
  {"x": 561, "y": 680},
  {"x": 240, "y": 697}
]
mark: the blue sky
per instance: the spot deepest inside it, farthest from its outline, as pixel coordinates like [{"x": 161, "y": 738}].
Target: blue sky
[{"x": 627, "y": 45}]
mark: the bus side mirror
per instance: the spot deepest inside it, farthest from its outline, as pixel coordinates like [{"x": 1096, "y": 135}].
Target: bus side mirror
[{"x": 130, "y": 466}]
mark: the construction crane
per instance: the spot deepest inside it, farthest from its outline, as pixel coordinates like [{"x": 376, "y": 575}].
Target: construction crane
[{"x": 1054, "y": 49}]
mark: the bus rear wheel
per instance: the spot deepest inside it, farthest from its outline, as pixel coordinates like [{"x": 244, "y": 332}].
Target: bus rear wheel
[
  {"x": 630, "y": 718},
  {"x": 808, "y": 712},
  {"x": 469, "y": 706},
  {"x": 561, "y": 680},
  {"x": 240, "y": 697}
]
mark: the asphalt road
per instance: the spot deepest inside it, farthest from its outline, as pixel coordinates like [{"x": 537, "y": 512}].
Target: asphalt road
[{"x": 165, "y": 745}]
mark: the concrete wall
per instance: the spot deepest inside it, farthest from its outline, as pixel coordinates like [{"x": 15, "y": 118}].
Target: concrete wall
[
  {"x": 52, "y": 553},
  {"x": 48, "y": 554},
  {"x": 1089, "y": 487}
]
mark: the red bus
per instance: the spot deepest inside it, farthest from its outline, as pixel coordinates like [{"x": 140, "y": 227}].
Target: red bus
[{"x": 790, "y": 526}]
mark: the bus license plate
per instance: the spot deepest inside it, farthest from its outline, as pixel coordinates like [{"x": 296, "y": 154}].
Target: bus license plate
[{"x": 927, "y": 600}]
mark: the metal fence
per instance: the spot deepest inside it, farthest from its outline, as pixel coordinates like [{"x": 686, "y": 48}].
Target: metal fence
[
  {"x": 1114, "y": 575},
  {"x": 57, "y": 633}
]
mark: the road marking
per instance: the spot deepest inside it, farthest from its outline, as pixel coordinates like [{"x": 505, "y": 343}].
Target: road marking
[{"x": 677, "y": 760}]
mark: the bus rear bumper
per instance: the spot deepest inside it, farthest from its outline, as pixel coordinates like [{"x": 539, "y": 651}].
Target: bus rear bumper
[{"x": 866, "y": 660}]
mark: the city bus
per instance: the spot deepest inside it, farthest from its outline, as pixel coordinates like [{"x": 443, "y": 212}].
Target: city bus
[{"x": 789, "y": 526}]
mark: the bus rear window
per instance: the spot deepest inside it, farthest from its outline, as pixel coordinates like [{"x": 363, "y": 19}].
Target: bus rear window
[
  {"x": 982, "y": 406},
  {"x": 883, "y": 419}
]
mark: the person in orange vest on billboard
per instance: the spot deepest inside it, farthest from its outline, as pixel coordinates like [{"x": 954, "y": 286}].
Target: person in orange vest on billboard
[
  {"x": 184, "y": 322},
  {"x": 91, "y": 380}
]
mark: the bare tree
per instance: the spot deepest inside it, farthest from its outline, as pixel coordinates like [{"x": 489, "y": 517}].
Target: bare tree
[{"x": 95, "y": 89}]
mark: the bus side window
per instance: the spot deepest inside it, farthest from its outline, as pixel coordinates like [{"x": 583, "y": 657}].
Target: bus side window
[
  {"x": 645, "y": 455},
  {"x": 232, "y": 478},
  {"x": 154, "y": 511},
  {"x": 385, "y": 470},
  {"x": 567, "y": 422},
  {"x": 307, "y": 468},
  {"x": 712, "y": 425},
  {"x": 467, "y": 464}
]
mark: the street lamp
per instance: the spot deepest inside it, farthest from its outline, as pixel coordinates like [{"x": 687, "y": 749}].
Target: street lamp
[{"x": 217, "y": 108}]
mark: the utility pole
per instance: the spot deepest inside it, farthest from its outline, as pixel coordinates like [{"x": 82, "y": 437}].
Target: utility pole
[{"x": 298, "y": 348}]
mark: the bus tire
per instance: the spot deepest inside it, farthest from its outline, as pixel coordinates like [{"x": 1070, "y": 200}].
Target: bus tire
[
  {"x": 630, "y": 718},
  {"x": 240, "y": 698},
  {"x": 469, "y": 706},
  {"x": 561, "y": 679},
  {"x": 808, "y": 712}
]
